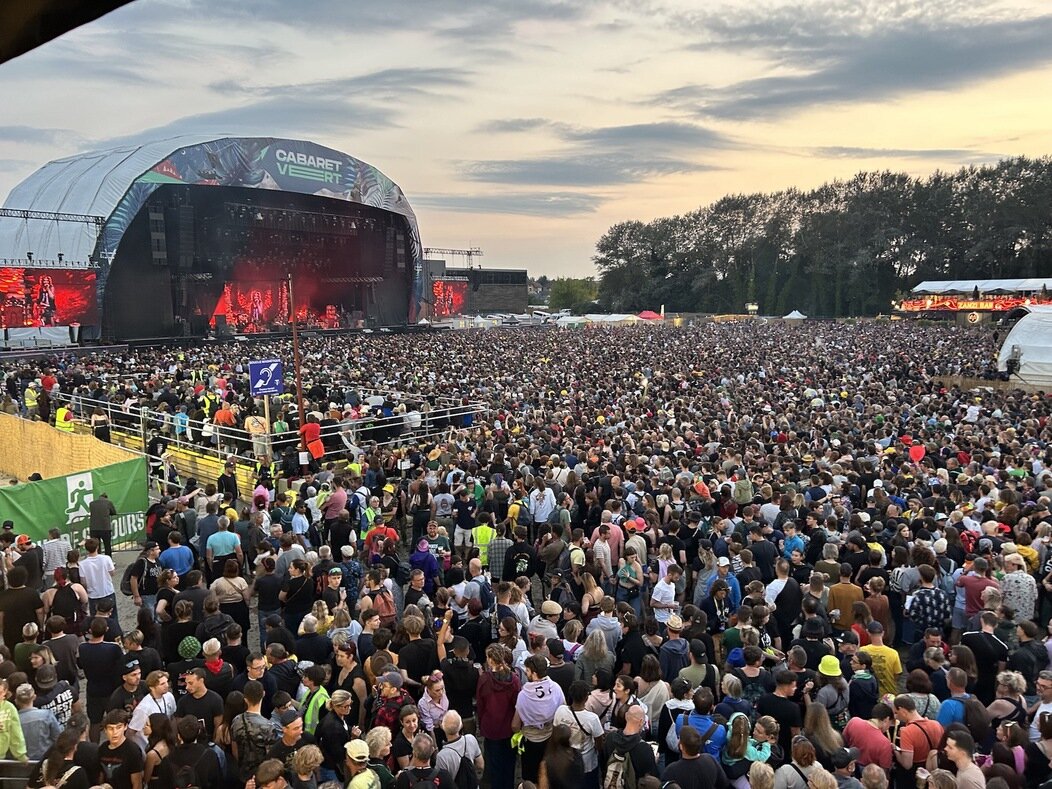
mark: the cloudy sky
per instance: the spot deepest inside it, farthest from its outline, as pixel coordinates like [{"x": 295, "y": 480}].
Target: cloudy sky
[{"x": 528, "y": 127}]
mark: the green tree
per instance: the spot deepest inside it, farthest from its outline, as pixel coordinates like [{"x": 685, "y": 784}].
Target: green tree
[{"x": 568, "y": 292}]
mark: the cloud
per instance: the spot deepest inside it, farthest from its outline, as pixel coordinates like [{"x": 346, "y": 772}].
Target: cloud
[
  {"x": 961, "y": 155},
  {"x": 512, "y": 125},
  {"x": 578, "y": 170},
  {"x": 16, "y": 165},
  {"x": 33, "y": 135},
  {"x": 833, "y": 53},
  {"x": 545, "y": 204},
  {"x": 594, "y": 156},
  {"x": 307, "y": 116},
  {"x": 387, "y": 84}
]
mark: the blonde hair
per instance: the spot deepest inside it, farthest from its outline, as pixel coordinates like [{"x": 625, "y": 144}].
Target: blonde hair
[
  {"x": 307, "y": 759},
  {"x": 761, "y": 776},
  {"x": 377, "y": 738}
]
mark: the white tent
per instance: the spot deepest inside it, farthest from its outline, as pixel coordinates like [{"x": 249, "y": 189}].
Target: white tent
[
  {"x": 795, "y": 315},
  {"x": 571, "y": 320},
  {"x": 1030, "y": 340}
]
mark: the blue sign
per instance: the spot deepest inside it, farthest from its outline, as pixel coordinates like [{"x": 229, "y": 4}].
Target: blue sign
[{"x": 266, "y": 377}]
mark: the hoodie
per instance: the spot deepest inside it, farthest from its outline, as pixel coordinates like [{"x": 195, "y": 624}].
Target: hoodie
[
  {"x": 536, "y": 704},
  {"x": 495, "y": 702},
  {"x": 640, "y": 752},
  {"x": 862, "y": 694},
  {"x": 610, "y": 626},
  {"x": 673, "y": 656}
]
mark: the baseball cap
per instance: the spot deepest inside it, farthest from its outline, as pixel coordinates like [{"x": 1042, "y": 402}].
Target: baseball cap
[
  {"x": 289, "y": 717},
  {"x": 347, "y": 551},
  {"x": 46, "y": 677},
  {"x": 736, "y": 657},
  {"x": 723, "y": 561},
  {"x": 357, "y": 751},
  {"x": 129, "y": 667},
  {"x": 875, "y": 627},
  {"x": 335, "y": 571},
  {"x": 149, "y": 545},
  {"x": 23, "y": 539},
  {"x": 392, "y": 678},
  {"x": 212, "y": 647},
  {"x": 842, "y": 757}
]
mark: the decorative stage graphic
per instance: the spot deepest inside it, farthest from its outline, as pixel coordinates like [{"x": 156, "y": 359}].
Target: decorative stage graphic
[
  {"x": 47, "y": 297},
  {"x": 448, "y": 297}
]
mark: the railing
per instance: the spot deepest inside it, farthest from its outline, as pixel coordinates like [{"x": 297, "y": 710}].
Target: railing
[{"x": 134, "y": 424}]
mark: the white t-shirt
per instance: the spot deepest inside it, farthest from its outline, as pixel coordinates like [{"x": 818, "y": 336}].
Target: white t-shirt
[
  {"x": 147, "y": 707},
  {"x": 665, "y": 593},
  {"x": 584, "y": 728},
  {"x": 1035, "y": 734},
  {"x": 448, "y": 758},
  {"x": 95, "y": 575}
]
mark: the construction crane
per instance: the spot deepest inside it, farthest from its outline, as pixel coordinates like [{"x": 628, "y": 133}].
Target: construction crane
[
  {"x": 468, "y": 254},
  {"x": 49, "y": 216}
]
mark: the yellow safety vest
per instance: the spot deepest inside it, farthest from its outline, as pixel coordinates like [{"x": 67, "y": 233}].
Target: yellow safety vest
[
  {"x": 31, "y": 397},
  {"x": 64, "y": 419}
]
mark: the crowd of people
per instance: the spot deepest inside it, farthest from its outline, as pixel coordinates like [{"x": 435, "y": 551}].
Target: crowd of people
[{"x": 791, "y": 557}]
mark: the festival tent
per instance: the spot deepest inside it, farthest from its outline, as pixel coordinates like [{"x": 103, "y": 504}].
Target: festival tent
[
  {"x": 649, "y": 315},
  {"x": 566, "y": 321},
  {"x": 795, "y": 315},
  {"x": 1031, "y": 340}
]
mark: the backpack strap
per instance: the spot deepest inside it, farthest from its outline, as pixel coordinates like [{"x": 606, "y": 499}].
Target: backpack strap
[{"x": 709, "y": 733}]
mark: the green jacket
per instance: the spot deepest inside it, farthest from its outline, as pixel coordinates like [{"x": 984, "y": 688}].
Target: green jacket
[
  {"x": 312, "y": 709},
  {"x": 12, "y": 743}
]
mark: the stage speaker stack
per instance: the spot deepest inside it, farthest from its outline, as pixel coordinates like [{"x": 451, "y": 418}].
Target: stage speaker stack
[{"x": 158, "y": 240}]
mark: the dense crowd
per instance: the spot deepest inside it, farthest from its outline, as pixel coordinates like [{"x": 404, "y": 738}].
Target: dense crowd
[{"x": 791, "y": 557}]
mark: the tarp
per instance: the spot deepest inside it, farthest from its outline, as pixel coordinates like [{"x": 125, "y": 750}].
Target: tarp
[
  {"x": 968, "y": 286},
  {"x": 1031, "y": 339},
  {"x": 62, "y": 502},
  {"x": 795, "y": 315}
]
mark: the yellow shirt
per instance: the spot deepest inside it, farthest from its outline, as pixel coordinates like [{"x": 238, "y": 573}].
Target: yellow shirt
[{"x": 886, "y": 667}]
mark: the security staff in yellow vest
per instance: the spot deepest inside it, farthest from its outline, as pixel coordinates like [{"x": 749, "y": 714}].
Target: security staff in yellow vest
[
  {"x": 64, "y": 419},
  {"x": 31, "y": 396}
]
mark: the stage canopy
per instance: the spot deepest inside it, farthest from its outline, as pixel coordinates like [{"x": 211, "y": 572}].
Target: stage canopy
[
  {"x": 795, "y": 315},
  {"x": 968, "y": 286},
  {"x": 1031, "y": 337},
  {"x": 115, "y": 184}
]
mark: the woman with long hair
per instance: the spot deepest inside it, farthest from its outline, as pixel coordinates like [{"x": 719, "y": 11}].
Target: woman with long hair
[
  {"x": 495, "y": 699},
  {"x": 591, "y": 597},
  {"x": 601, "y": 700},
  {"x": 58, "y": 767},
  {"x": 630, "y": 580},
  {"x": 593, "y": 656},
  {"x": 861, "y": 616},
  {"x": 803, "y": 762},
  {"x": 822, "y": 735},
  {"x": 349, "y": 676},
  {"x": 232, "y": 592},
  {"x": 160, "y": 742},
  {"x": 963, "y": 658},
  {"x": 334, "y": 731},
  {"x": 562, "y": 767},
  {"x": 918, "y": 687},
  {"x": 652, "y": 690}
]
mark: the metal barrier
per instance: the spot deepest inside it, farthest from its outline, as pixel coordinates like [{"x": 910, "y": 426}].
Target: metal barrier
[
  {"x": 131, "y": 426},
  {"x": 15, "y": 774}
]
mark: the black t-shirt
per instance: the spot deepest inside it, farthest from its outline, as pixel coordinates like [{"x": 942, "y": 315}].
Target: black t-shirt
[
  {"x": 989, "y": 650},
  {"x": 33, "y": 561},
  {"x": 699, "y": 773},
  {"x": 100, "y": 663},
  {"x": 205, "y": 708},
  {"x": 764, "y": 555},
  {"x": 20, "y": 608},
  {"x": 124, "y": 699},
  {"x": 786, "y": 712},
  {"x": 267, "y": 588},
  {"x": 299, "y": 597},
  {"x": 419, "y": 658},
  {"x": 120, "y": 764},
  {"x": 462, "y": 679},
  {"x": 400, "y": 746},
  {"x": 201, "y": 758},
  {"x": 279, "y": 750},
  {"x": 631, "y": 650},
  {"x": 146, "y": 572}
]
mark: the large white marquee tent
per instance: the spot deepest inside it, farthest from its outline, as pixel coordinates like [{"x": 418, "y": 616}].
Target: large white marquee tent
[{"x": 1031, "y": 340}]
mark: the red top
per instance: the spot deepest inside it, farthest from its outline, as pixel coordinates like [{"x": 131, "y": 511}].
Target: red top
[{"x": 310, "y": 432}]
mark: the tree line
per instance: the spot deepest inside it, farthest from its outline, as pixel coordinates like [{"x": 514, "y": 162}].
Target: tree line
[{"x": 846, "y": 248}]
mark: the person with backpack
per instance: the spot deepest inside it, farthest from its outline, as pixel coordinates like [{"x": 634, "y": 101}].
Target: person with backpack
[
  {"x": 628, "y": 756},
  {"x": 68, "y": 600},
  {"x": 420, "y": 774},
  {"x": 461, "y": 756}
]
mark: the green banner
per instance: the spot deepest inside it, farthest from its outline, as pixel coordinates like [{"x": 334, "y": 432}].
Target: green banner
[{"x": 62, "y": 502}]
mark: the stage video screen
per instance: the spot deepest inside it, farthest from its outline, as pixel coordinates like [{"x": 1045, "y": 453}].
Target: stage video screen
[
  {"x": 253, "y": 306},
  {"x": 448, "y": 297},
  {"x": 47, "y": 297}
]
